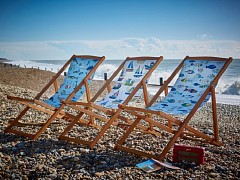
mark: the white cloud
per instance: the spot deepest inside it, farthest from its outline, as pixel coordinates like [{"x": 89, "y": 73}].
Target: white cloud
[
  {"x": 205, "y": 36},
  {"x": 119, "y": 49}
]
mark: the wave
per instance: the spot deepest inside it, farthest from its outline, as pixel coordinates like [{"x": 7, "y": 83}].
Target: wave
[{"x": 233, "y": 89}]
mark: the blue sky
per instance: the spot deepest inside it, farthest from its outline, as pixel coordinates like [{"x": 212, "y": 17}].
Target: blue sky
[{"x": 56, "y": 29}]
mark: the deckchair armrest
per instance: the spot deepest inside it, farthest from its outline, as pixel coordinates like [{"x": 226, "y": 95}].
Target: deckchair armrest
[
  {"x": 125, "y": 107},
  {"x": 19, "y": 99},
  {"x": 76, "y": 103}
]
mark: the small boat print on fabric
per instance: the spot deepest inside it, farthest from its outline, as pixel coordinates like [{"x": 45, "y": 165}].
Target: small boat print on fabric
[
  {"x": 129, "y": 82},
  {"x": 130, "y": 67},
  {"x": 149, "y": 66},
  {"x": 138, "y": 73},
  {"x": 117, "y": 86},
  {"x": 121, "y": 77},
  {"x": 114, "y": 96},
  {"x": 117, "y": 101},
  {"x": 130, "y": 90}
]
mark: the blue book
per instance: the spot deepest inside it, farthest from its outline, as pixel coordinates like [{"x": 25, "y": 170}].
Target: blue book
[
  {"x": 154, "y": 165},
  {"x": 149, "y": 166}
]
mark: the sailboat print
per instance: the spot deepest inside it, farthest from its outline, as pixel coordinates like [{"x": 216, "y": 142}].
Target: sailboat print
[
  {"x": 130, "y": 67},
  {"x": 121, "y": 76},
  {"x": 114, "y": 95},
  {"x": 138, "y": 72}
]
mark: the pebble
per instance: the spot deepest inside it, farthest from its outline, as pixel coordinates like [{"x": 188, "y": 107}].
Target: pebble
[{"x": 50, "y": 158}]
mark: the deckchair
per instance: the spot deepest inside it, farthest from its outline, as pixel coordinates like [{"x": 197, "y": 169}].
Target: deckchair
[
  {"x": 170, "y": 116},
  {"x": 131, "y": 84},
  {"x": 75, "y": 84}
]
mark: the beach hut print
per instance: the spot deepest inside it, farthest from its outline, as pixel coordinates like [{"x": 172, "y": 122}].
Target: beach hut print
[
  {"x": 130, "y": 67},
  {"x": 139, "y": 72},
  {"x": 129, "y": 82},
  {"x": 114, "y": 95}
]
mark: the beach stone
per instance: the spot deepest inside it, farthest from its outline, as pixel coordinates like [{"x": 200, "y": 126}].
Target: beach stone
[
  {"x": 208, "y": 131},
  {"x": 221, "y": 168},
  {"x": 76, "y": 159},
  {"x": 52, "y": 176},
  {"x": 22, "y": 153},
  {"x": 213, "y": 175},
  {"x": 40, "y": 166}
]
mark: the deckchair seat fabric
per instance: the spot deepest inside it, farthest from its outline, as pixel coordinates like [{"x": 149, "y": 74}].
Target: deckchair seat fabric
[
  {"x": 194, "y": 78},
  {"x": 131, "y": 75},
  {"x": 77, "y": 71}
]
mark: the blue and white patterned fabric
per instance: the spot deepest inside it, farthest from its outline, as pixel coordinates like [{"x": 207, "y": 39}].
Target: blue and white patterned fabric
[
  {"x": 194, "y": 78},
  {"x": 132, "y": 73},
  {"x": 77, "y": 71}
]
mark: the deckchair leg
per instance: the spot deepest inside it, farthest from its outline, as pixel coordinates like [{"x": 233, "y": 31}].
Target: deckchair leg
[
  {"x": 175, "y": 137},
  {"x": 214, "y": 108},
  {"x": 129, "y": 130},
  {"x": 70, "y": 126},
  {"x": 105, "y": 128},
  {"x": 8, "y": 129},
  {"x": 49, "y": 121},
  {"x": 170, "y": 124}
]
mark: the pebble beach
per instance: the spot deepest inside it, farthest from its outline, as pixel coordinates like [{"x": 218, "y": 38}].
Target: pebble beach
[{"x": 50, "y": 158}]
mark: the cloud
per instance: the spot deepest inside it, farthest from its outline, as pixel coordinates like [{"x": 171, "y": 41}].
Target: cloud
[
  {"x": 119, "y": 49},
  {"x": 205, "y": 36}
]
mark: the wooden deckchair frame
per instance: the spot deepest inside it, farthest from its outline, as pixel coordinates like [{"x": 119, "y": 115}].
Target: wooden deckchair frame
[
  {"x": 115, "y": 114},
  {"x": 184, "y": 130},
  {"x": 46, "y": 108}
]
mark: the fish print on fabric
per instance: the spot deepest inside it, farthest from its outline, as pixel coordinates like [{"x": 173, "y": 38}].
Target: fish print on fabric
[
  {"x": 194, "y": 78},
  {"x": 132, "y": 73},
  {"x": 77, "y": 71}
]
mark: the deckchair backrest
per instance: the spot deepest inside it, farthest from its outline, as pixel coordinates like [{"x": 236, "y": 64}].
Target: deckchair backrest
[
  {"x": 194, "y": 79},
  {"x": 78, "y": 70},
  {"x": 132, "y": 73}
]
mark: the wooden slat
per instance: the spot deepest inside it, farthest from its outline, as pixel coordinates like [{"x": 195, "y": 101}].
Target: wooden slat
[
  {"x": 136, "y": 152},
  {"x": 77, "y": 141}
]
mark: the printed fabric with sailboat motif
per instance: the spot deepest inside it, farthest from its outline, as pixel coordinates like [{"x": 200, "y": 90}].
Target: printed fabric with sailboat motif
[
  {"x": 77, "y": 71},
  {"x": 132, "y": 73},
  {"x": 194, "y": 78}
]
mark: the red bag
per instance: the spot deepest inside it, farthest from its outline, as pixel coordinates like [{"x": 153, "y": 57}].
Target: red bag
[{"x": 188, "y": 153}]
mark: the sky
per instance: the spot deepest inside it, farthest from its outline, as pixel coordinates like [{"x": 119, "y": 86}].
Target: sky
[{"x": 56, "y": 29}]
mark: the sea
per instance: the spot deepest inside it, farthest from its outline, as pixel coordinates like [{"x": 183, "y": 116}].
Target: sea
[{"x": 227, "y": 90}]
